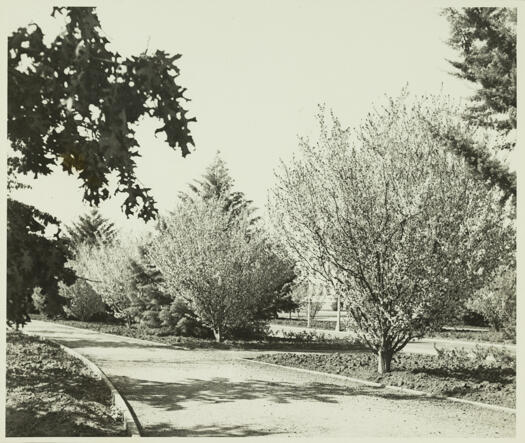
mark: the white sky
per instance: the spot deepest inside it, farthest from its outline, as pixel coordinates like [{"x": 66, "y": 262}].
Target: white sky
[{"x": 255, "y": 72}]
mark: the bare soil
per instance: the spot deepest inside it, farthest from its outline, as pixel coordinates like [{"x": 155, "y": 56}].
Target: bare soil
[{"x": 484, "y": 381}]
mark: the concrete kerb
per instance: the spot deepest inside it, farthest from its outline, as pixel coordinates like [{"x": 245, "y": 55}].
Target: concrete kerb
[
  {"x": 379, "y": 385},
  {"x": 131, "y": 423}
]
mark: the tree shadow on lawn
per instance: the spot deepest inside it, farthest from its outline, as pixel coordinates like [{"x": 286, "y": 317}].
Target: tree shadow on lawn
[
  {"x": 57, "y": 401},
  {"x": 82, "y": 387},
  {"x": 38, "y": 421}
]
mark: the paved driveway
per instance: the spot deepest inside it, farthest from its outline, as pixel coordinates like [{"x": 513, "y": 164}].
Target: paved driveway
[{"x": 176, "y": 392}]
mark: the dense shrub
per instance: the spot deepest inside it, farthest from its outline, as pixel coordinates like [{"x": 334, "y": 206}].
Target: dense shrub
[
  {"x": 471, "y": 318},
  {"x": 39, "y": 300},
  {"x": 253, "y": 330},
  {"x": 181, "y": 321},
  {"x": 496, "y": 302},
  {"x": 83, "y": 301},
  {"x": 150, "y": 319},
  {"x": 50, "y": 307},
  {"x": 334, "y": 305},
  {"x": 224, "y": 268}
]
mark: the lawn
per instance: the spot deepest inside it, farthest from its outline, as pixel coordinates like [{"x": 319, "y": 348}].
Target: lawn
[
  {"x": 486, "y": 335},
  {"x": 489, "y": 376},
  {"x": 52, "y": 394}
]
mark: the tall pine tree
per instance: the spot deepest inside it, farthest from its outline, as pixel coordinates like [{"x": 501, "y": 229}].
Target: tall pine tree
[
  {"x": 218, "y": 183},
  {"x": 485, "y": 39},
  {"x": 91, "y": 229}
]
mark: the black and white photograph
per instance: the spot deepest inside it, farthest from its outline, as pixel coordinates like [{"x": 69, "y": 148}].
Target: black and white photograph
[{"x": 247, "y": 218}]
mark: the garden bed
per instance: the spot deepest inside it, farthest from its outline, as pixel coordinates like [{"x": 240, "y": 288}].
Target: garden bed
[
  {"x": 52, "y": 394},
  {"x": 489, "y": 376}
]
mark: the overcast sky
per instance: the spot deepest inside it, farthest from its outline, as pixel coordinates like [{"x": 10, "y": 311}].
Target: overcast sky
[{"x": 255, "y": 73}]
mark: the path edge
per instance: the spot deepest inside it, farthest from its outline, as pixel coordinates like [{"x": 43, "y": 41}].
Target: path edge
[
  {"x": 131, "y": 423},
  {"x": 395, "y": 388}
]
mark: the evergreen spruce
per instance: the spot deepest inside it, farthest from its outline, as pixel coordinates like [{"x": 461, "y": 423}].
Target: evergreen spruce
[
  {"x": 486, "y": 41},
  {"x": 91, "y": 229},
  {"x": 217, "y": 183}
]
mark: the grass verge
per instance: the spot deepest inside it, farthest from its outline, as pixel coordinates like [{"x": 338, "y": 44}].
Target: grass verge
[
  {"x": 488, "y": 336},
  {"x": 451, "y": 374},
  {"x": 52, "y": 394}
]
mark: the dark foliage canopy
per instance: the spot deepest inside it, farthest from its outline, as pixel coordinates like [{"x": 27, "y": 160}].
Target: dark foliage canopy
[
  {"x": 74, "y": 103},
  {"x": 35, "y": 259},
  {"x": 486, "y": 41}
]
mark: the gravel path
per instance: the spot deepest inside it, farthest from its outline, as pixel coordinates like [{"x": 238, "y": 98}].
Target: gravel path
[{"x": 175, "y": 392}]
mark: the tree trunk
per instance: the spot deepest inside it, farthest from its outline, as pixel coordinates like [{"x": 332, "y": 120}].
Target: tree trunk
[
  {"x": 384, "y": 358},
  {"x": 308, "y": 312},
  {"x": 217, "y": 334},
  {"x": 338, "y": 320}
]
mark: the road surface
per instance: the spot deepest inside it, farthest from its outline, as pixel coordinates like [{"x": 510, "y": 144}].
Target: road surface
[{"x": 177, "y": 392}]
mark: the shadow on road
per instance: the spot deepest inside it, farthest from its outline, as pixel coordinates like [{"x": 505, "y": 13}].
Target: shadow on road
[
  {"x": 166, "y": 430},
  {"x": 172, "y": 396}
]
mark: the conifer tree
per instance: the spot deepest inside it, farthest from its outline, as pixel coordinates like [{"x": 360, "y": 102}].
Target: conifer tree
[
  {"x": 217, "y": 183},
  {"x": 91, "y": 229},
  {"x": 486, "y": 41}
]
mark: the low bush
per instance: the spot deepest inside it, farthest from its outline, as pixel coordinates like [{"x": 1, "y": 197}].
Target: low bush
[
  {"x": 482, "y": 356},
  {"x": 315, "y": 324},
  {"x": 252, "y": 330}
]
